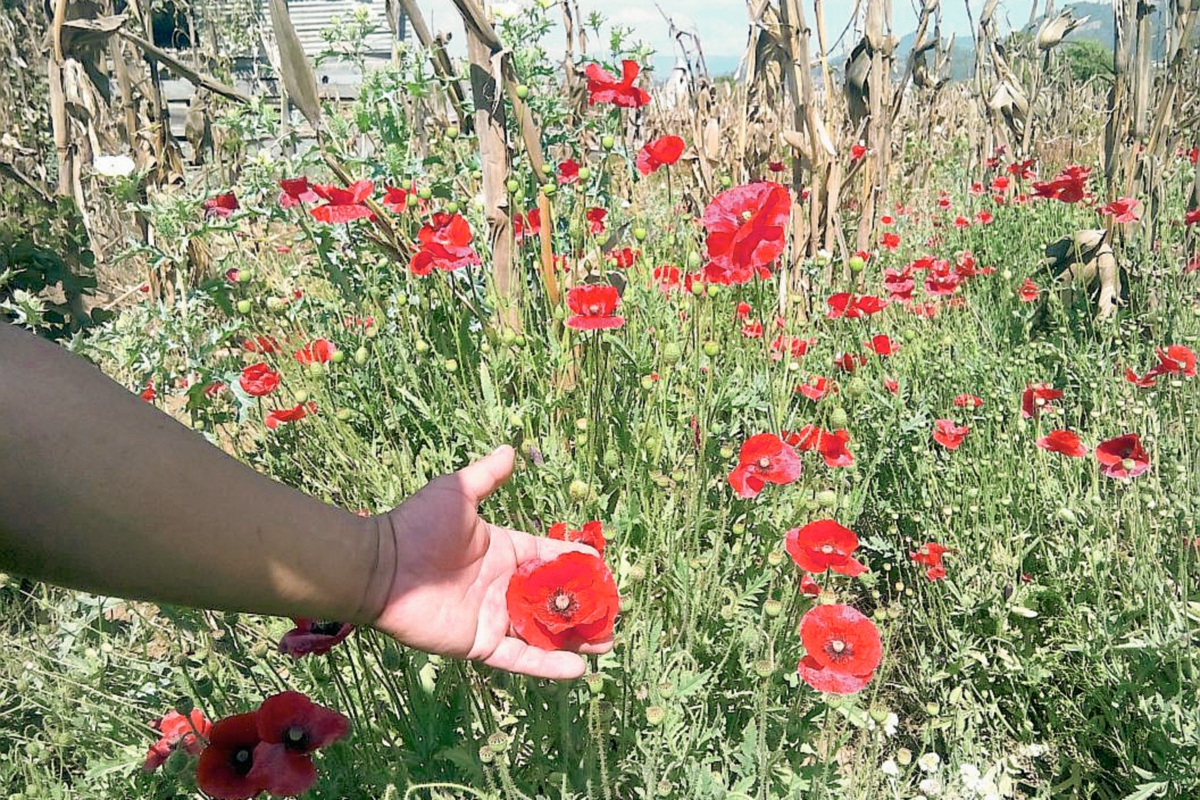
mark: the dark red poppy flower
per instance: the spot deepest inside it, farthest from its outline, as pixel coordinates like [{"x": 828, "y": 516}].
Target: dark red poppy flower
[
  {"x": 1037, "y": 398},
  {"x": 890, "y": 241},
  {"x": 833, "y": 447},
  {"x": 259, "y": 380},
  {"x": 929, "y": 555},
  {"x": 1176, "y": 359},
  {"x": 746, "y": 230},
  {"x": 662, "y": 152},
  {"x": 290, "y": 728},
  {"x": 591, "y": 534},
  {"x": 816, "y": 388},
  {"x": 223, "y": 771},
  {"x": 1123, "y": 457},
  {"x": 1192, "y": 217},
  {"x": 1063, "y": 441},
  {"x": 568, "y": 172},
  {"x": 313, "y": 637},
  {"x": 594, "y": 307},
  {"x": 563, "y": 603},
  {"x": 595, "y": 218},
  {"x": 1123, "y": 209},
  {"x": 318, "y": 351},
  {"x": 445, "y": 244},
  {"x": 221, "y": 206},
  {"x": 764, "y": 458},
  {"x": 844, "y": 305},
  {"x": 395, "y": 199},
  {"x": 278, "y": 416},
  {"x": 188, "y": 733},
  {"x": 899, "y": 285},
  {"x": 526, "y": 225},
  {"x": 844, "y": 649},
  {"x": 942, "y": 280},
  {"x": 342, "y": 205},
  {"x": 261, "y": 344},
  {"x": 149, "y": 394},
  {"x": 296, "y": 191},
  {"x": 948, "y": 434},
  {"x": 808, "y": 586},
  {"x": 968, "y": 401},
  {"x": 776, "y": 166},
  {"x": 1068, "y": 186},
  {"x": 882, "y": 345},
  {"x": 603, "y": 87},
  {"x": 823, "y": 545},
  {"x": 848, "y": 362}
]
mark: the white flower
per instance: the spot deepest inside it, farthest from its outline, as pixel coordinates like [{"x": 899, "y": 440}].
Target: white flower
[
  {"x": 970, "y": 775},
  {"x": 118, "y": 166},
  {"x": 929, "y": 762},
  {"x": 889, "y": 768},
  {"x": 930, "y": 787},
  {"x": 891, "y": 724}
]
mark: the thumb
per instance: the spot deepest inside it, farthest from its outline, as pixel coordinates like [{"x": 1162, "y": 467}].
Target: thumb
[{"x": 488, "y": 474}]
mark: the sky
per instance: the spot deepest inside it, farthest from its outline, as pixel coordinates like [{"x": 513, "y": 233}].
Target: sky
[{"x": 722, "y": 24}]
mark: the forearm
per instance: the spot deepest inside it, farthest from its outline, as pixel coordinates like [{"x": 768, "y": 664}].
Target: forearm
[{"x": 102, "y": 492}]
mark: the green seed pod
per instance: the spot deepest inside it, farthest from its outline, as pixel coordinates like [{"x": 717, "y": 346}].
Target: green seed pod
[
  {"x": 522, "y": 91},
  {"x": 316, "y": 369},
  {"x": 452, "y": 132},
  {"x": 585, "y": 174},
  {"x": 452, "y": 207},
  {"x": 664, "y": 789},
  {"x": 422, "y": 346},
  {"x": 772, "y": 608},
  {"x": 244, "y": 306},
  {"x": 595, "y": 682},
  {"x": 775, "y": 558},
  {"x": 764, "y": 668},
  {"x": 856, "y": 388},
  {"x": 639, "y": 234},
  {"x": 608, "y": 142},
  {"x": 827, "y": 498},
  {"x": 838, "y": 418},
  {"x": 338, "y": 356},
  {"x": 713, "y": 290},
  {"x": 361, "y": 355},
  {"x": 857, "y": 264},
  {"x": 671, "y": 353},
  {"x": 513, "y": 185},
  {"x": 450, "y": 365},
  {"x": 612, "y": 458},
  {"x": 487, "y": 755},
  {"x": 711, "y": 348},
  {"x": 498, "y": 741},
  {"x": 579, "y": 490},
  {"x": 344, "y": 414},
  {"x": 637, "y": 573},
  {"x": 655, "y": 715}
]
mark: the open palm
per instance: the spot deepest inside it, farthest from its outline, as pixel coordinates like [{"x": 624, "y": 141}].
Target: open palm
[{"x": 452, "y": 573}]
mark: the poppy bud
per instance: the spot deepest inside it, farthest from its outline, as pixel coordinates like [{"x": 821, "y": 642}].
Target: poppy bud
[
  {"x": 585, "y": 173},
  {"x": 932, "y": 709},
  {"x": 655, "y": 715},
  {"x": 361, "y": 355},
  {"x": 711, "y": 348},
  {"x": 522, "y": 91},
  {"x": 513, "y": 185},
  {"x": 184, "y": 705},
  {"x": 452, "y": 132},
  {"x": 579, "y": 490},
  {"x": 639, "y": 234},
  {"x": 827, "y": 498},
  {"x": 839, "y": 418},
  {"x": 274, "y": 305},
  {"x": 243, "y": 306},
  {"x": 608, "y": 142},
  {"x": 204, "y": 687},
  {"x": 693, "y": 262},
  {"x": 245, "y": 275},
  {"x": 451, "y": 365},
  {"x": 764, "y": 668},
  {"x": 713, "y": 290},
  {"x": 316, "y": 369},
  {"x": 664, "y": 788},
  {"x": 344, "y": 414},
  {"x": 857, "y": 264},
  {"x": 424, "y": 193},
  {"x": 775, "y": 558},
  {"x": 671, "y": 353},
  {"x": 595, "y": 682},
  {"x": 301, "y": 396},
  {"x": 698, "y": 288}
]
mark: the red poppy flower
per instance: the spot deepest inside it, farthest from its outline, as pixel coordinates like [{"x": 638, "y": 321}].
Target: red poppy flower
[
  {"x": 259, "y": 380},
  {"x": 222, "y": 206},
  {"x": 882, "y": 345},
  {"x": 149, "y": 394},
  {"x": 261, "y": 344},
  {"x": 662, "y": 152},
  {"x": 968, "y": 401},
  {"x": 667, "y": 278},
  {"x": 296, "y": 191},
  {"x": 892, "y": 385},
  {"x": 527, "y": 225},
  {"x": 223, "y": 771},
  {"x": 843, "y": 647},
  {"x": 1123, "y": 457},
  {"x": 948, "y": 434},
  {"x": 941, "y": 280},
  {"x": 318, "y": 351},
  {"x": 342, "y": 205},
  {"x": 746, "y": 230},
  {"x": 313, "y": 637},
  {"x": 1001, "y": 183},
  {"x": 1065, "y": 442},
  {"x": 596, "y": 216},
  {"x": 899, "y": 285},
  {"x": 568, "y": 172},
  {"x": 930, "y": 555},
  {"x": 977, "y": 189},
  {"x": 962, "y": 222},
  {"x": 792, "y": 344},
  {"x": 943, "y": 201},
  {"x": 290, "y": 727},
  {"x": 563, "y": 603},
  {"x": 188, "y": 733},
  {"x": 764, "y": 458},
  {"x": 831, "y": 446},
  {"x": 395, "y": 199},
  {"x": 445, "y": 244},
  {"x": 1147, "y": 381},
  {"x": 603, "y": 87},
  {"x": 848, "y": 362},
  {"x": 857, "y": 151},
  {"x": 823, "y": 545},
  {"x": 984, "y": 217},
  {"x": 890, "y": 241},
  {"x": 1068, "y": 186},
  {"x": 592, "y": 534},
  {"x": 1028, "y": 291},
  {"x": 816, "y": 388},
  {"x": 1036, "y": 398},
  {"x": 1176, "y": 359},
  {"x": 808, "y": 586},
  {"x": 594, "y": 307},
  {"x": 776, "y": 166},
  {"x": 1192, "y": 217},
  {"x": 623, "y": 258},
  {"x": 1123, "y": 209},
  {"x": 277, "y": 416},
  {"x": 743, "y": 310},
  {"x": 844, "y": 305}
]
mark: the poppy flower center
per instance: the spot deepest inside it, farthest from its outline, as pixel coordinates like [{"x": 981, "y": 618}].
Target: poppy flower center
[
  {"x": 562, "y": 604},
  {"x": 326, "y": 628},
  {"x": 764, "y": 463},
  {"x": 594, "y": 308},
  {"x": 838, "y": 649},
  {"x": 1128, "y": 463},
  {"x": 747, "y": 216},
  {"x": 827, "y": 549},
  {"x": 295, "y": 738},
  {"x": 241, "y": 760}
]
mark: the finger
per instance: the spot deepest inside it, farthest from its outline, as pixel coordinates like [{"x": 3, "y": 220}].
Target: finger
[
  {"x": 513, "y": 655},
  {"x": 489, "y": 473},
  {"x": 527, "y": 547},
  {"x": 597, "y": 648}
]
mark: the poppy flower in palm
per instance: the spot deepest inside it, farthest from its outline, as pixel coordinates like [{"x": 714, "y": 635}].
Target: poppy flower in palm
[
  {"x": 746, "y": 227},
  {"x": 948, "y": 434},
  {"x": 929, "y": 555},
  {"x": 563, "y": 603},
  {"x": 223, "y": 771},
  {"x": 844, "y": 649},
  {"x": 603, "y": 87},
  {"x": 764, "y": 458},
  {"x": 591, "y": 534},
  {"x": 278, "y": 416},
  {"x": 342, "y": 205},
  {"x": 968, "y": 401},
  {"x": 1176, "y": 359},
  {"x": 296, "y": 191},
  {"x": 222, "y": 206},
  {"x": 313, "y": 637},
  {"x": 318, "y": 351},
  {"x": 1123, "y": 457},
  {"x": 830, "y": 446},
  {"x": 259, "y": 380},
  {"x": 179, "y": 732},
  {"x": 594, "y": 307},
  {"x": 290, "y": 728},
  {"x": 445, "y": 244},
  {"x": 1062, "y": 441},
  {"x": 1036, "y": 398},
  {"x": 823, "y": 545},
  {"x": 845, "y": 305},
  {"x": 662, "y": 152},
  {"x": 1123, "y": 209}
]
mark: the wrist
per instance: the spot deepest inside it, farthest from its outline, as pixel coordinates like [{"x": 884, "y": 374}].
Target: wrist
[{"x": 379, "y": 569}]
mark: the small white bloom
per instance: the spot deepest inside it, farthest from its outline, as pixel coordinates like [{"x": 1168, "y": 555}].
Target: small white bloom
[
  {"x": 929, "y": 762},
  {"x": 931, "y": 787},
  {"x": 889, "y": 768},
  {"x": 891, "y": 724},
  {"x": 118, "y": 166}
]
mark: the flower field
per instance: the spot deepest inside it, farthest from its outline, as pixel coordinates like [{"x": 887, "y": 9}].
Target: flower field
[{"x": 915, "y": 519}]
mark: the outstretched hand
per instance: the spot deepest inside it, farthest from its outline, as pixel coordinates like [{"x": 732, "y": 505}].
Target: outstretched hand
[{"x": 452, "y": 573}]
